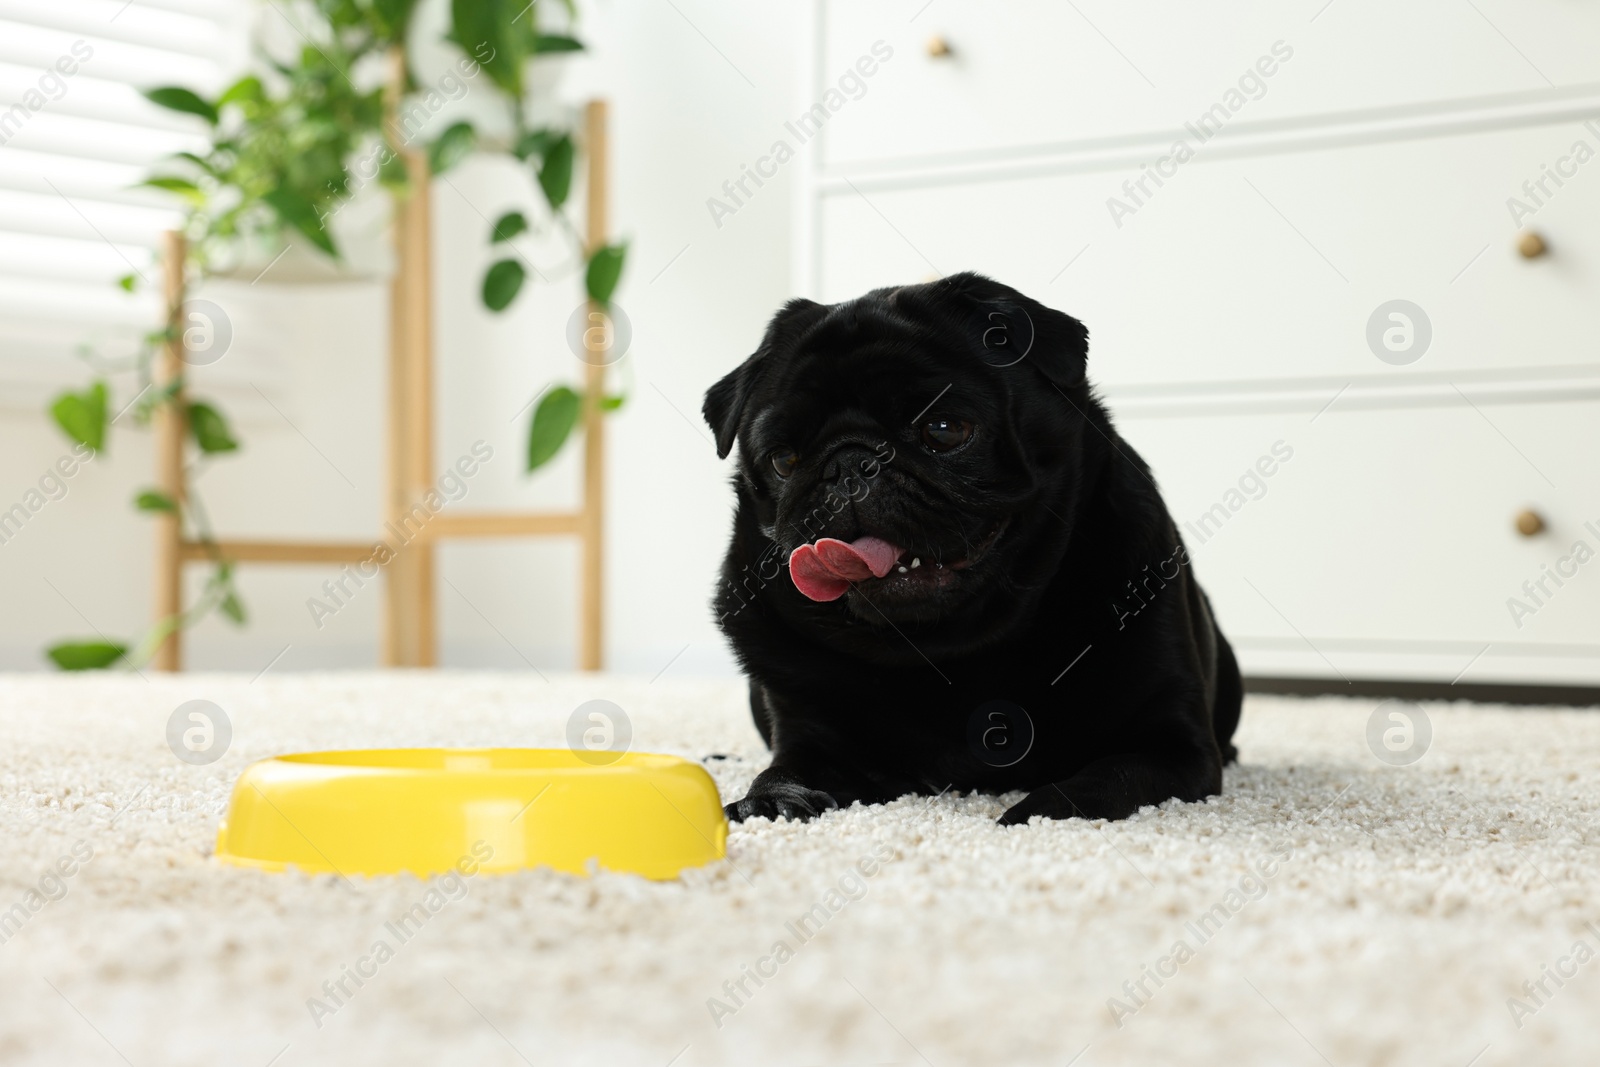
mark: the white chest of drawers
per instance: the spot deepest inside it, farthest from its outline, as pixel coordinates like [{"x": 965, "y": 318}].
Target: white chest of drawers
[{"x": 1231, "y": 196}]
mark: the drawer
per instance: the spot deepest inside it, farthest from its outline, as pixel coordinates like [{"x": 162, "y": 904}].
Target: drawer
[
  {"x": 1267, "y": 267},
  {"x": 1393, "y": 531},
  {"x": 1035, "y": 72}
]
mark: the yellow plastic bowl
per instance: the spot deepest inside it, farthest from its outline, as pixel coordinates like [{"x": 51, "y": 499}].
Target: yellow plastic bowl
[{"x": 431, "y": 810}]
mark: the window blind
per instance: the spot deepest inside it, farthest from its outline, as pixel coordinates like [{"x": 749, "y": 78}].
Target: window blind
[{"x": 76, "y": 137}]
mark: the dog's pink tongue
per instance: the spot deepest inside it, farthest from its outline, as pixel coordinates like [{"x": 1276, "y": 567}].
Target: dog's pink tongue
[
  {"x": 824, "y": 571},
  {"x": 858, "y": 559},
  {"x": 812, "y": 577}
]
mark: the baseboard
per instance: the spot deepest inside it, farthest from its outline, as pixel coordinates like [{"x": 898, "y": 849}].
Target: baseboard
[
  {"x": 1483, "y": 692},
  {"x": 1442, "y": 662}
]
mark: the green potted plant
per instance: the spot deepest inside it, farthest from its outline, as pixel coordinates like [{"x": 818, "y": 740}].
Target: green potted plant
[{"x": 289, "y": 145}]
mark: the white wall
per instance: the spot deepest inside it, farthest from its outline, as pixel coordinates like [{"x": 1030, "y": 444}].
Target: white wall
[{"x": 305, "y": 384}]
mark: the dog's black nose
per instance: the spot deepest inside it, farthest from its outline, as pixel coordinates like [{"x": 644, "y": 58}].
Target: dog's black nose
[{"x": 858, "y": 460}]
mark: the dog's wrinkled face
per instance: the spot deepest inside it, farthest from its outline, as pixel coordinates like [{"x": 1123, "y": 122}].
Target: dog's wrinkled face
[{"x": 895, "y": 447}]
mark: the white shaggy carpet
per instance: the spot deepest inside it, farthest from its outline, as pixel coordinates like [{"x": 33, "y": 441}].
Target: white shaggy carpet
[{"x": 1406, "y": 905}]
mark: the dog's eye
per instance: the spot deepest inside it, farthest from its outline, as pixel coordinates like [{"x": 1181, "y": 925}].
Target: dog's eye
[
  {"x": 784, "y": 461},
  {"x": 941, "y": 434}
]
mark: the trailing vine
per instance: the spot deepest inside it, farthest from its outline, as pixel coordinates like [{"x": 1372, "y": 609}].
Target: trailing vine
[{"x": 288, "y": 147}]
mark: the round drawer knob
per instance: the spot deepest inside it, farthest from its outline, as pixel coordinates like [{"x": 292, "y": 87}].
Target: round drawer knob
[
  {"x": 938, "y": 47},
  {"x": 1531, "y": 245},
  {"x": 1529, "y": 522}
]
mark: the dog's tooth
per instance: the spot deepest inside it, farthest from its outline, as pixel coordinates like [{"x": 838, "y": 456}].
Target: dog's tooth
[
  {"x": 916, "y": 562},
  {"x": 902, "y": 568}
]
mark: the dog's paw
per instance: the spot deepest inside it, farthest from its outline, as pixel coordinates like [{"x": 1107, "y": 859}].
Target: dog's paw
[
  {"x": 784, "y": 799},
  {"x": 1053, "y": 802}
]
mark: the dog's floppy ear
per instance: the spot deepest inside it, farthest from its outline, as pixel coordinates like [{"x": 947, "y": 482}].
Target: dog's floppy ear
[
  {"x": 1014, "y": 329},
  {"x": 725, "y": 402},
  {"x": 724, "y": 405}
]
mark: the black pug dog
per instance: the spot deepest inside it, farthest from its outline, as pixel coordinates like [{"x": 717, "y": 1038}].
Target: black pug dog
[{"x": 948, "y": 571}]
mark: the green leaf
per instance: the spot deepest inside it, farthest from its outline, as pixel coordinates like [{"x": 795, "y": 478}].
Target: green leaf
[
  {"x": 555, "y": 172},
  {"x": 232, "y": 607},
  {"x": 182, "y": 186},
  {"x": 501, "y": 284},
  {"x": 86, "y": 655},
  {"x": 551, "y": 42},
  {"x": 155, "y": 500},
  {"x": 453, "y": 145},
  {"x": 605, "y": 270},
  {"x": 126, "y": 282},
  {"x": 510, "y": 224},
  {"x": 82, "y": 416},
  {"x": 393, "y": 18},
  {"x": 247, "y": 88},
  {"x": 392, "y": 173},
  {"x": 553, "y": 421},
  {"x": 174, "y": 98},
  {"x": 535, "y": 143},
  {"x": 611, "y": 403},
  {"x": 295, "y": 210},
  {"x": 209, "y": 429},
  {"x": 203, "y": 164},
  {"x": 487, "y": 31}
]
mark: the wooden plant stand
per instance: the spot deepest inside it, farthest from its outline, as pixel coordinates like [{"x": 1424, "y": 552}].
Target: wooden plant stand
[{"x": 410, "y": 632}]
